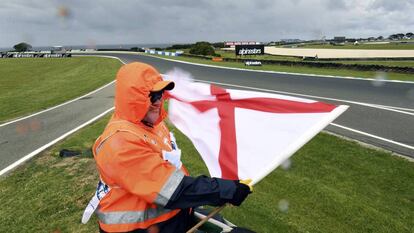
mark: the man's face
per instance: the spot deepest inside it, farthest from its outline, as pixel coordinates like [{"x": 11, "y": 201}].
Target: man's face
[{"x": 154, "y": 110}]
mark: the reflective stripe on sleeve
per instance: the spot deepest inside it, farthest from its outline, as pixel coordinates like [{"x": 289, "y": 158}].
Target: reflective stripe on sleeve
[
  {"x": 99, "y": 147},
  {"x": 124, "y": 217},
  {"x": 169, "y": 187}
]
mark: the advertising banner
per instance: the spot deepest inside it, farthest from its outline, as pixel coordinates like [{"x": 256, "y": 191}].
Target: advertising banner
[
  {"x": 253, "y": 63},
  {"x": 249, "y": 50},
  {"x": 233, "y": 43}
]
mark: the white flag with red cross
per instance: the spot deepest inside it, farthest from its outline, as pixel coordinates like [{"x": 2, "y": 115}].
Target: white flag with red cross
[{"x": 244, "y": 134}]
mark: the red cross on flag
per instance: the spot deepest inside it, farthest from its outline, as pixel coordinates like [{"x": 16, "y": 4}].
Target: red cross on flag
[{"x": 244, "y": 134}]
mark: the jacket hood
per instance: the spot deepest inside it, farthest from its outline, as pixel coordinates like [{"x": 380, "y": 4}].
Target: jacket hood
[{"x": 134, "y": 81}]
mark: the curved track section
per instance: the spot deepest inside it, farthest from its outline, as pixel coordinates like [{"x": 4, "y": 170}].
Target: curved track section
[{"x": 381, "y": 115}]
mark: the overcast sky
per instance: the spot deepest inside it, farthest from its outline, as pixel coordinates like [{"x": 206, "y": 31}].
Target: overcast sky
[{"x": 81, "y": 22}]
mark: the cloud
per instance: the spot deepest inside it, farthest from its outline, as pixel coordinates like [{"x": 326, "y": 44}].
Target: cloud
[
  {"x": 336, "y": 5},
  {"x": 390, "y": 6},
  {"x": 164, "y": 21}
]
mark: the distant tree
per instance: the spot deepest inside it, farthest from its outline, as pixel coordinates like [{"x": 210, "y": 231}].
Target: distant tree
[
  {"x": 202, "y": 48},
  {"x": 395, "y": 36},
  {"x": 409, "y": 35},
  {"x": 218, "y": 45},
  {"x": 380, "y": 38},
  {"x": 400, "y": 35},
  {"x": 21, "y": 47},
  {"x": 137, "y": 49},
  {"x": 157, "y": 48}
]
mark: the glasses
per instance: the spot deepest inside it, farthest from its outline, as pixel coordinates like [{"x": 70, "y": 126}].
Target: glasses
[{"x": 155, "y": 96}]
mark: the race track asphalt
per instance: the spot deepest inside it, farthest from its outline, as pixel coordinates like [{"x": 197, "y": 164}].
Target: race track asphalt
[{"x": 390, "y": 126}]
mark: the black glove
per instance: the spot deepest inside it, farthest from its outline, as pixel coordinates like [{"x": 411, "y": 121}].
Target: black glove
[{"x": 241, "y": 193}]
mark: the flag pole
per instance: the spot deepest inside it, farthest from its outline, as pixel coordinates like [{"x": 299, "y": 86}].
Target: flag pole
[{"x": 204, "y": 220}]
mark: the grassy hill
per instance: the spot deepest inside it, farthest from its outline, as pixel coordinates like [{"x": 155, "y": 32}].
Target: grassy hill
[
  {"x": 31, "y": 84},
  {"x": 332, "y": 185}
]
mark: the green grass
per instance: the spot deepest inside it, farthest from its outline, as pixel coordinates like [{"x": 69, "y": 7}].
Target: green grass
[
  {"x": 48, "y": 193},
  {"x": 402, "y": 63},
  {"x": 31, "y": 84},
  {"x": 397, "y": 46},
  {"x": 231, "y": 54},
  {"x": 333, "y": 185},
  {"x": 397, "y": 63},
  {"x": 298, "y": 69}
]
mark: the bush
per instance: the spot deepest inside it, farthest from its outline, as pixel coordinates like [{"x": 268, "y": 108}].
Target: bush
[
  {"x": 137, "y": 49},
  {"x": 202, "y": 48},
  {"x": 22, "y": 47}
]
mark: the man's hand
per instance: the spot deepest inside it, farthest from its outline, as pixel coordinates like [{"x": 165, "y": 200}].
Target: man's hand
[
  {"x": 247, "y": 182},
  {"x": 242, "y": 191}
]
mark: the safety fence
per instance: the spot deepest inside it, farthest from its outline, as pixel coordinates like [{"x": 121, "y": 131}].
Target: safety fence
[{"x": 163, "y": 53}]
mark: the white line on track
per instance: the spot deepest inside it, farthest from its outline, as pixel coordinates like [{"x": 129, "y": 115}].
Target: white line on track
[
  {"x": 33, "y": 153},
  {"x": 373, "y": 136},
  {"x": 398, "y": 108},
  {"x": 337, "y": 125},
  {"x": 62, "y": 104},
  {"x": 281, "y": 72},
  {"x": 383, "y": 107},
  {"x": 40, "y": 149}
]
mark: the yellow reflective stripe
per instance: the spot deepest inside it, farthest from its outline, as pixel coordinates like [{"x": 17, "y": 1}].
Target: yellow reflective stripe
[
  {"x": 123, "y": 217},
  {"x": 169, "y": 188}
]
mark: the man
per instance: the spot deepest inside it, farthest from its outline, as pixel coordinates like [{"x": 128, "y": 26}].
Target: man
[{"x": 144, "y": 187}]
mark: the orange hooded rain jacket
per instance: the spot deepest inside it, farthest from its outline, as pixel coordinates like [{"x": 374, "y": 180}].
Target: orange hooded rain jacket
[{"x": 129, "y": 159}]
